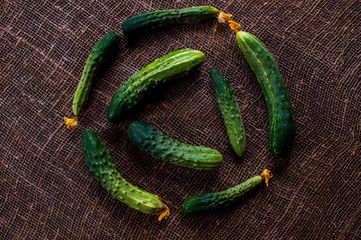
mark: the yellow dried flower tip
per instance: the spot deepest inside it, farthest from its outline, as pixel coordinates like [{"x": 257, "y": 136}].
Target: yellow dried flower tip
[
  {"x": 224, "y": 17},
  {"x": 234, "y": 26},
  {"x": 71, "y": 122},
  {"x": 164, "y": 213},
  {"x": 267, "y": 175}
]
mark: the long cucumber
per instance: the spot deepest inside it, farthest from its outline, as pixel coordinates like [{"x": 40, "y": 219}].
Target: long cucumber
[
  {"x": 171, "y": 66},
  {"x": 231, "y": 112},
  {"x": 150, "y": 21},
  {"x": 100, "y": 164},
  {"x": 281, "y": 118},
  {"x": 210, "y": 202},
  {"x": 101, "y": 52},
  {"x": 157, "y": 144}
]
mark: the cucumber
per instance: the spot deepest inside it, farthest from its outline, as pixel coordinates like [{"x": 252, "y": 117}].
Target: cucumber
[
  {"x": 231, "y": 112},
  {"x": 98, "y": 160},
  {"x": 147, "y": 22},
  {"x": 281, "y": 119},
  {"x": 159, "y": 145},
  {"x": 101, "y": 52},
  {"x": 210, "y": 202},
  {"x": 171, "y": 66}
]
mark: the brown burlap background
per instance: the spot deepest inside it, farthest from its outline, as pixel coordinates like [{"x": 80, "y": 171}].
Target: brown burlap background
[{"x": 46, "y": 191}]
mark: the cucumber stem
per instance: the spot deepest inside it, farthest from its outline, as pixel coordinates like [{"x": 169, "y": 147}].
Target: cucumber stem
[
  {"x": 267, "y": 175},
  {"x": 164, "y": 213},
  {"x": 71, "y": 122},
  {"x": 226, "y": 18}
]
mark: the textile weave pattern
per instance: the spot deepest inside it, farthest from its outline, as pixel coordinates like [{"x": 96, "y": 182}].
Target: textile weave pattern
[{"x": 47, "y": 192}]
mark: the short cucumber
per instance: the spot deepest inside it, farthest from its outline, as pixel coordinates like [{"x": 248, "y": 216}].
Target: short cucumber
[
  {"x": 147, "y": 22},
  {"x": 173, "y": 65},
  {"x": 282, "y": 121},
  {"x": 231, "y": 112},
  {"x": 100, "y": 164},
  {"x": 101, "y": 52},
  {"x": 159, "y": 145},
  {"x": 210, "y": 202}
]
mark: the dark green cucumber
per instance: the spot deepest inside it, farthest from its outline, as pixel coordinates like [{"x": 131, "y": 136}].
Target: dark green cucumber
[
  {"x": 101, "y": 52},
  {"x": 100, "y": 164},
  {"x": 231, "y": 112},
  {"x": 173, "y": 65},
  {"x": 147, "y": 22},
  {"x": 210, "y": 202},
  {"x": 281, "y": 119},
  {"x": 159, "y": 145}
]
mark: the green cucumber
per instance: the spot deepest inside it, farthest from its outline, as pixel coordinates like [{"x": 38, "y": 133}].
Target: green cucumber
[
  {"x": 147, "y": 22},
  {"x": 157, "y": 144},
  {"x": 100, "y": 164},
  {"x": 101, "y": 52},
  {"x": 231, "y": 112},
  {"x": 173, "y": 65},
  {"x": 210, "y": 202},
  {"x": 281, "y": 119}
]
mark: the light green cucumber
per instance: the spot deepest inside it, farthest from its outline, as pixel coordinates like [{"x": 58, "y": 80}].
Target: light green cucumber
[
  {"x": 171, "y": 66},
  {"x": 100, "y": 164}
]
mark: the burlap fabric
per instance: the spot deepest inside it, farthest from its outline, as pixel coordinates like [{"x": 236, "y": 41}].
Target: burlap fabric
[{"x": 46, "y": 191}]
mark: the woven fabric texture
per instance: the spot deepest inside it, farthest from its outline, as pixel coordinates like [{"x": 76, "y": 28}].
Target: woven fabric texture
[{"x": 47, "y": 192}]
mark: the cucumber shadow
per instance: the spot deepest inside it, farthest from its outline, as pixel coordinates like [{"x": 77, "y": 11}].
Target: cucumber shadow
[{"x": 279, "y": 165}]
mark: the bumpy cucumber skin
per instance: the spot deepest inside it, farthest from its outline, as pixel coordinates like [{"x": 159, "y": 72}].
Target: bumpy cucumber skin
[
  {"x": 159, "y": 145},
  {"x": 209, "y": 202},
  {"x": 173, "y": 65},
  {"x": 98, "y": 161},
  {"x": 231, "y": 112},
  {"x": 147, "y": 22},
  {"x": 101, "y": 52},
  {"x": 281, "y": 118}
]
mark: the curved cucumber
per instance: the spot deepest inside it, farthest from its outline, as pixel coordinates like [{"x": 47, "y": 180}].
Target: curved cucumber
[
  {"x": 282, "y": 121},
  {"x": 159, "y": 145},
  {"x": 101, "y": 52},
  {"x": 174, "y": 65},
  {"x": 147, "y": 22},
  {"x": 98, "y": 161},
  {"x": 231, "y": 112},
  {"x": 209, "y": 202}
]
